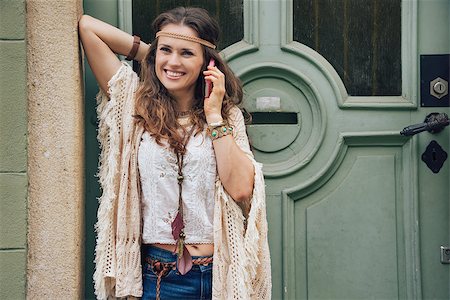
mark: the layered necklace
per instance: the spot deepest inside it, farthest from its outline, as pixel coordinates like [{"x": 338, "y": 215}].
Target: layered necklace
[{"x": 184, "y": 117}]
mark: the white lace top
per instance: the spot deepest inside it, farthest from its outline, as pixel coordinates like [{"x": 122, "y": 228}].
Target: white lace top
[{"x": 158, "y": 172}]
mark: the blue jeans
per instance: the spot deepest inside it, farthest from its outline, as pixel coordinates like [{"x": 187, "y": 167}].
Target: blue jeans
[{"x": 196, "y": 284}]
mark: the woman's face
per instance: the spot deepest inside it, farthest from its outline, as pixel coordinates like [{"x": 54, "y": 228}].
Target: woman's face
[{"x": 178, "y": 63}]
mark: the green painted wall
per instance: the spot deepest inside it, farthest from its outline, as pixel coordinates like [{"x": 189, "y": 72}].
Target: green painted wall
[{"x": 13, "y": 150}]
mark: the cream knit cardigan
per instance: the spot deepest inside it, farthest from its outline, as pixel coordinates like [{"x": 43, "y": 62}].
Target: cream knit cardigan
[{"x": 241, "y": 268}]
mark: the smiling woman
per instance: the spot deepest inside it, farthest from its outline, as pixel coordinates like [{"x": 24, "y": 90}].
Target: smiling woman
[{"x": 185, "y": 167}]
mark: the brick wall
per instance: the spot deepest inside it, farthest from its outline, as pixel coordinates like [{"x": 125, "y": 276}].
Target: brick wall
[{"x": 13, "y": 150}]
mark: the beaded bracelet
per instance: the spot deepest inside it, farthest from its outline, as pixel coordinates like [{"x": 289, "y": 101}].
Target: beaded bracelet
[{"x": 216, "y": 131}]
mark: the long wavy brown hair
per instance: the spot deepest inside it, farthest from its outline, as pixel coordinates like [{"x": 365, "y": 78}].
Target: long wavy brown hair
[{"x": 155, "y": 107}]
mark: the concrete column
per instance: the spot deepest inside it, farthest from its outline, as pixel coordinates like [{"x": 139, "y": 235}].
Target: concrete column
[{"x": 55, "y": 151}]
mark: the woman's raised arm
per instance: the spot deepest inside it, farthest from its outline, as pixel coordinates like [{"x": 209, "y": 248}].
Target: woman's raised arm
[{"x": 101, "y": 43}]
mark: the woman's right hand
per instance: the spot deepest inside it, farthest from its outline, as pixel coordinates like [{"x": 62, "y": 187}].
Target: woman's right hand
[{"x": 101, "y": 43}]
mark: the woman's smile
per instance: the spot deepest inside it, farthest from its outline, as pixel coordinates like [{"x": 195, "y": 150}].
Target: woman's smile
[{"x": 174, "y": 74}]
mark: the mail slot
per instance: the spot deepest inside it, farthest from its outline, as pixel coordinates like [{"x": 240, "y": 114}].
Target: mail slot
[{"x": 274, "y": 118}]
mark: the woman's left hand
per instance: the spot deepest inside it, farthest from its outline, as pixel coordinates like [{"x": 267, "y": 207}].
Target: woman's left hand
[{"x": 213, "y": 104}]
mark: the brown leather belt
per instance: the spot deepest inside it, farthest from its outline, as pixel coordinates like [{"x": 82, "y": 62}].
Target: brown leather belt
[{"x": 163, "y": 268}]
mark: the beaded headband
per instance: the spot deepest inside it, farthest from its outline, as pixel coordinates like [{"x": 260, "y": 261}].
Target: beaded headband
[{"x": 186, "y": 37}]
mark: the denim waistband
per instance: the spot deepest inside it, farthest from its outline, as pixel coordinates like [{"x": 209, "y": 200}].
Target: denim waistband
[{"x": 162, "y": 255}]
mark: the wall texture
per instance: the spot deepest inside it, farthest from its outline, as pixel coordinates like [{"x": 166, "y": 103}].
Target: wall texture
[
  {"x": 13, "y": 150},
  {"x": 55, "y": 151}
]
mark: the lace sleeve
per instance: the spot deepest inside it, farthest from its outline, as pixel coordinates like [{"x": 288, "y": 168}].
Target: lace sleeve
[
  {"x": 112, "y": 114},
  {"x": 236, "y": 120},
  {"x": 241, "y": 268},
  {"x": 121, "y": 88}
]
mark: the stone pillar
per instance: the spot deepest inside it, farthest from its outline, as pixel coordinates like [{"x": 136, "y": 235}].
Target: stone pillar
[{"x": 55, "y": 151}]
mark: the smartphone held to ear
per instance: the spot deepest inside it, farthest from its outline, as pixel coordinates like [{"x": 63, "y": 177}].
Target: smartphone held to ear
[{"x": 208, "y": 83}]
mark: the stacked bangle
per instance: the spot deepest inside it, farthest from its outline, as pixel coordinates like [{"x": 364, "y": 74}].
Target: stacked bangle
[{"x": 218, "y": 130}]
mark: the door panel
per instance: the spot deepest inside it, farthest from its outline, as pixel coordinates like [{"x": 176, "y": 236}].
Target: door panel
[
  {"x": 339, "y": 253},
  {"x": 347, "y": 182},
  {"x": 349, "y": 234}
]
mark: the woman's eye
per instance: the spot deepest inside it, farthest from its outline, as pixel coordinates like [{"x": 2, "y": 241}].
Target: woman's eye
[
  {"x": 187, "y": 53},
  {"x": 164, "y": 49}
]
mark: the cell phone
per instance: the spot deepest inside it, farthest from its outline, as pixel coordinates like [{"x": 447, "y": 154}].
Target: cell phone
[{"x": 208, "y": 83}]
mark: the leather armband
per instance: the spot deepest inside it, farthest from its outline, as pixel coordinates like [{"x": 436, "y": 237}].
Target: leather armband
[{"x": 134, "y": 48}]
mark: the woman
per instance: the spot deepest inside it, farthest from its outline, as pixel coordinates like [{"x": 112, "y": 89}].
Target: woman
[{"x": 180, "y": 185}]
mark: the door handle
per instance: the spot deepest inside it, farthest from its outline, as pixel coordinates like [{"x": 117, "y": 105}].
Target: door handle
[{"x": 433, "y": 123}]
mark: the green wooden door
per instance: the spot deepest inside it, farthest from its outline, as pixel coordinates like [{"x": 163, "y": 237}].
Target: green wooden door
[{"x": 353, "y": 211}]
